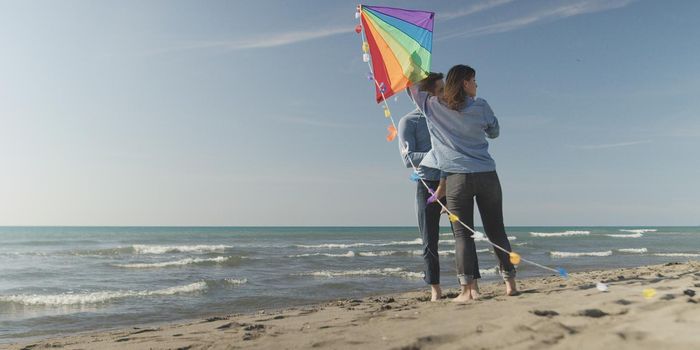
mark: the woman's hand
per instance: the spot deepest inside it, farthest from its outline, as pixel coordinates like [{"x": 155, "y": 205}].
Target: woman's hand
[{"x": 440, "y": 192}]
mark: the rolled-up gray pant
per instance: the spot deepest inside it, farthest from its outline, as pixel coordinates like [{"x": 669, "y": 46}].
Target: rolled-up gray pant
[{"x": 485, "y": 187}]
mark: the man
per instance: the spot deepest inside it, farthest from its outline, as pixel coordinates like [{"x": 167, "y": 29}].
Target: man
[{"x": 414, "y": 141}]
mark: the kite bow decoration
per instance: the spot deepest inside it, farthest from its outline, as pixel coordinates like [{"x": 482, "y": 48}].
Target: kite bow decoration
[{"x": 400, "y": 44}]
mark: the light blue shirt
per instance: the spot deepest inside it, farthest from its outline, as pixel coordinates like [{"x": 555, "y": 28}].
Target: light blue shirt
[
  {"x": 413, "y": 129},
  {"x": 458, "y": 138}
]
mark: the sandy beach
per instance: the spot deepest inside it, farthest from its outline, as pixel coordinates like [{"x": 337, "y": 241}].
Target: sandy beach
[{"x": 550, "y": 313}]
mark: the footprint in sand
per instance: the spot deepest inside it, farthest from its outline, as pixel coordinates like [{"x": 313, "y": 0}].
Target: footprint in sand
[
  {"x": 595, "y": 313},
  {"x": 545, "y": 313}
]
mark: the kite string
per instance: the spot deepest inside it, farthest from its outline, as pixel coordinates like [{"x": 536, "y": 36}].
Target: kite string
[{"x": 415, "y": 168}]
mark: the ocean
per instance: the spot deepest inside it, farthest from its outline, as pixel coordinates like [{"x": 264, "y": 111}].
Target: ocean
[{"x": 58, "y": 280}]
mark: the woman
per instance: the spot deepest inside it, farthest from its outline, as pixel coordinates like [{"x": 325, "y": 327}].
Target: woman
[{"x": 459, "y": 124}]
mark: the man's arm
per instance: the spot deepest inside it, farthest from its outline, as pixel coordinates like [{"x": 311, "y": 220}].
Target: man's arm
[{"x": 407, "y": 143}]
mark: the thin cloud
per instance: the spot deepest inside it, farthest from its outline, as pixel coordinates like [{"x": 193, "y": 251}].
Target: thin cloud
[
  {"x": 259, "y": 42},
  {"x": 483, "y": 6},
  {"x": 282, "y": 39},
  {"x": 318, "y": 123},
  {"x": 289, "y": 38},
  {"x": 545, "y": 15},
  {"x": 613, "y": 145}
]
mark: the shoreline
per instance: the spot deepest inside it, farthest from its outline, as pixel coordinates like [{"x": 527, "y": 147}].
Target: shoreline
[{"x": 551, "y": 312}]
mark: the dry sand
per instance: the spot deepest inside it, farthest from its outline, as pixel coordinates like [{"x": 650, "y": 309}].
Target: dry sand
[{"x": 551, "y": 313}]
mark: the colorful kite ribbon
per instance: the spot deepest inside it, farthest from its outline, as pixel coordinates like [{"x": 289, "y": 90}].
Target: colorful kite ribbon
[{"x": 397, "y": 47}]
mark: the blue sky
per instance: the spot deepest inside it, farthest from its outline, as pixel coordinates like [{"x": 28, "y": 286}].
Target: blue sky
[{"x": 260, "y": 113}]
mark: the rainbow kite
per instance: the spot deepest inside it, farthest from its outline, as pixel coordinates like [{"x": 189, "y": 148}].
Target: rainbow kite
[{"x": 399, "y": 43}]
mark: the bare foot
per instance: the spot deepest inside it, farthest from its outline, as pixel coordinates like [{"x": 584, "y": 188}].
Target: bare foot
[
  {"x": 466, "y": 293},
  {"x": 474, "y": 291},
  {"x": 462, "y": 298},
  {"x": 436, "y": 292},
  {"x": 511, "y": 288}
]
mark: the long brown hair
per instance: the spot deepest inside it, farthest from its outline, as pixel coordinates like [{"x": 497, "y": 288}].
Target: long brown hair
[{"x": 454, "y": 96}]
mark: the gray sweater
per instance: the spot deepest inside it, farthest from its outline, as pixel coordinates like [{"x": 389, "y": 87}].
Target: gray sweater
[{"x": 459, "y": 142}]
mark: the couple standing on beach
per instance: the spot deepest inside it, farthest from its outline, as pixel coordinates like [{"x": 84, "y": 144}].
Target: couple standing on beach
[{"x": 447, "y": 137}]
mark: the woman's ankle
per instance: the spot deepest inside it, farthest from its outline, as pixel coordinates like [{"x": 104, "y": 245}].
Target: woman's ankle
[
  {"x": 474, "y": 290},
  {"x": 511, "y": 286},
  {"x": 435, "y": 292}
]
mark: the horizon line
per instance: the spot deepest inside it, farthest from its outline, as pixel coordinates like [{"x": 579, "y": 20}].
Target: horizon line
[{"x": 321, "y": 226}]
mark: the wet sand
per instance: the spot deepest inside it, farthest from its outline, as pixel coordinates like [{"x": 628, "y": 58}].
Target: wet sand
[{"x": 550, "y": 313}]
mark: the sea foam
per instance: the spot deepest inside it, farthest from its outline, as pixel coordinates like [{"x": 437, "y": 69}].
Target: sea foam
[
  {"x": 97, "y": 297},
  {"x": 560, "y": 234},
  {"x": 633, "y": 250},
  {"x": 477, "y": 238},
  {"x": 389, "y": 271},
  {"x": 349, "y": 254},
  {"x": 555, "y": 254},
  {"x": 679, "y": 255},
  {"x": 361, "y": 244},
  {"x": 410, "y": 252},
  {"x": 235, "y": 281},
  {"x": 162, "y": 249},
  {"x": 182, "y": 262},
  {"x": 633, "y": 235},
  {"x": 440, "y": 252},
  {"x": 641, "y": 230},
  {"x": 480, "y": 237},
  {"x": 381, "y": 253}
]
